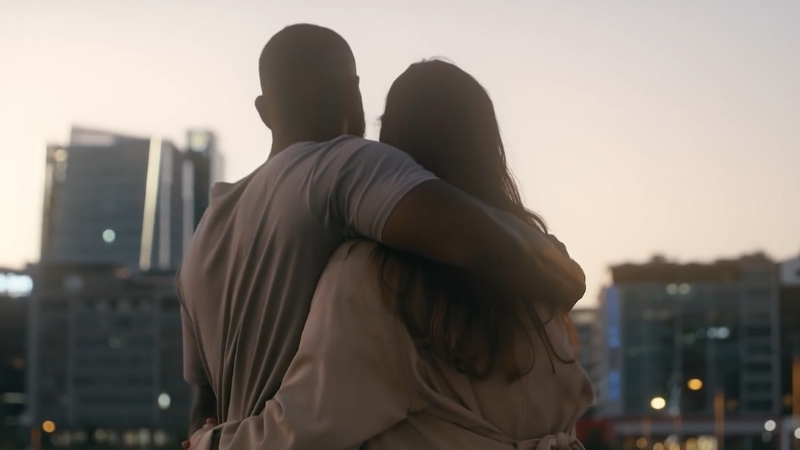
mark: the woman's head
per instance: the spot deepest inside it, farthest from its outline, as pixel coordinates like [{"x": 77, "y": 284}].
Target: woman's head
[{"x": 446, "y": 121}]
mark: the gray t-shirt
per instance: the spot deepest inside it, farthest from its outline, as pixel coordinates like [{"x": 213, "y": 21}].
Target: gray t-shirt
[{"x": 247, "y": 281}]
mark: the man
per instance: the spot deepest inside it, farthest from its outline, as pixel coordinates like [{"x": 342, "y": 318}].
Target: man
[{"x": 248, "y": 279}]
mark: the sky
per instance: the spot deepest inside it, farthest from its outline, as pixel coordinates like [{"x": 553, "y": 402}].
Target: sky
[{"x": 634, "y": 128}]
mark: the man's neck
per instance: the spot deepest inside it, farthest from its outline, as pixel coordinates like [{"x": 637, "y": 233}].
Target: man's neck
[{"x": 281, "y": 142}]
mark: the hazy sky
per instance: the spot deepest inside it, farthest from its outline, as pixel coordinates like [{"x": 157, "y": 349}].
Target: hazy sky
[{"x": 634, "y": 127}]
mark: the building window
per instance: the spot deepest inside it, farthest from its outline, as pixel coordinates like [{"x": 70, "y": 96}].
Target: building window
[
  {"x": 758, "y": 387},
  {"x": 758, "y": 367},
  {"x": 758, "y": 331},
  {"x": 761, "y": 350},
  {"x": 109, "y": 236},
  {"x": 759, "y": 405}
]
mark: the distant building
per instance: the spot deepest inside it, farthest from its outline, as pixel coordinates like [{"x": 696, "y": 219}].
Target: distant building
[
  {"x": 585, "y": 322},
  {"x": 673, "y": 336},
  {"x": 790, "y": 326},
  {"x": 120, "y": 200},
  {"x": 15, "y": 290},
  {"x": 106, "y": 354},
  {"x": 205, "y": 170}
]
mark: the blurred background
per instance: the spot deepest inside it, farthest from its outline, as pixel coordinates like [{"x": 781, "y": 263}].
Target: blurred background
[{"x": 660, "y": 141}]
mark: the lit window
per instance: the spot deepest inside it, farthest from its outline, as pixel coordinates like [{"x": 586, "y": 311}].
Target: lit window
[
  {"x": 144, "y": 437},
  {"x": 60, "y": 155},
  {"x": 115, "y": 342},
  {"x": 164, "y": 401},
  {"x": 719, "y": 333},
  {"x": 100, "y": 435},
  {"x": 109, "y": 236},
  {"x": 48, "y": 426},
  {"x": 672, "y": 289},
  {"x": 658, "y": 403},
  {"x": 695, "y": 384},
  {"x": 160, "y": 438}
]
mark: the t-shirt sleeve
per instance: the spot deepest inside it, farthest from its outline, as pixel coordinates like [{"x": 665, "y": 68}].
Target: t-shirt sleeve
[{"x": 371, "y": 180}]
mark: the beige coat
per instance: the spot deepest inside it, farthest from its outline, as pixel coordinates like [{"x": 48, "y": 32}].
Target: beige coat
[{"x": 358, "y": 379}]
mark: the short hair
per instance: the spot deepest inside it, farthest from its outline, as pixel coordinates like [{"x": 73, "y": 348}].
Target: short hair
[{"x": 309, "y": 71}]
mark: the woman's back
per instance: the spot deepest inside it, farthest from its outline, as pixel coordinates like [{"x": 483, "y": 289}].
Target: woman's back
[{"x": 444, "y": 408}]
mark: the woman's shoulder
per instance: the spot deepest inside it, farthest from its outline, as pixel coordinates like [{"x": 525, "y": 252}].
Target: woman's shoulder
[
  {"x": 352, "y": 276},
  {"x": 354, "y": 252}
]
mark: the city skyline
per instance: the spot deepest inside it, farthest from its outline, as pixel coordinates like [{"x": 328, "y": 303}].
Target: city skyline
[{"x": 634, "y": 130}]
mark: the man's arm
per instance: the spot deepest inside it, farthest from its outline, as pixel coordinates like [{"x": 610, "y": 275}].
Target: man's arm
[
  {"x": 380, "y": 192},
  {"x": 204, "y": 402},
  {"x": 440, "y": 222}
]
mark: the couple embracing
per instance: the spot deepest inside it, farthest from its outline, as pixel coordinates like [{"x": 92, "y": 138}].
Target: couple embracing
[{"x": 383, "y": 295}]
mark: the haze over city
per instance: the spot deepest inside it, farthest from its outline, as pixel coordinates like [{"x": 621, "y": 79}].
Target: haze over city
[{"x": 634, "y": 129}]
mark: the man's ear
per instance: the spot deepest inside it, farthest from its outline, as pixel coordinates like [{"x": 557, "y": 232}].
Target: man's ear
[{"x": 264, "y": 108}]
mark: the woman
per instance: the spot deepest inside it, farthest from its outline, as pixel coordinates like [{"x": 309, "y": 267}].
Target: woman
[{"x": 399, "y": 352}]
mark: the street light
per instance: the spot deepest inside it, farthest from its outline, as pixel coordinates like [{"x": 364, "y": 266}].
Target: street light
[
  {"x": 695, "y": 384},
  {"x": 658, "y": 403},
  {"x": 48, "y": 426},
  {"x": 770, "y": 425}
]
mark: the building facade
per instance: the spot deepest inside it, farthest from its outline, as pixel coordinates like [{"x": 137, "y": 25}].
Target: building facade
[
  {"x": 15, "y": 290},
  {"x": 585, "y": 322},
  {"x": 790, "y": 335},
  {"x": 118, "y": 200},
  {"x": 105, "y": 356},
  {"x": 683, "y": 345},
  {"x": 205, "y": 169},
  {"x": 104, "y": 360}
]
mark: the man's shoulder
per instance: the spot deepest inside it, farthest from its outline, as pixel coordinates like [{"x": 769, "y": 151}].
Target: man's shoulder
[{"x": 350, "y": 145}]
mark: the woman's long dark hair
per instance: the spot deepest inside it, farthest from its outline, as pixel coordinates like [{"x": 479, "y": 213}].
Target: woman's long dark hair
[{"x": 446, "y": 121}]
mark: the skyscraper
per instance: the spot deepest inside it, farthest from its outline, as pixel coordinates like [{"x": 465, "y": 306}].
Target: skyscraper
[
  {"x": 117, "y": 199},
  {"x": 205, "y": 168},
  {"x": 105, "y": 356},
  {"x": 15, "y": 289},
  {"x": 790, "y": 335},
  {"x": 105, "y": 331},
  {"x": 585, "y": 322}
]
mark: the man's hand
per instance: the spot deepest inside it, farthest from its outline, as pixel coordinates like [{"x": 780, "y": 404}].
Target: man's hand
[{"x": 194, "y": 440}]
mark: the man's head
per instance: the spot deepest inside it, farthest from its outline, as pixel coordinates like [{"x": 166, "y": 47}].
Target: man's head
[{"x": 309, "y": 85}]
